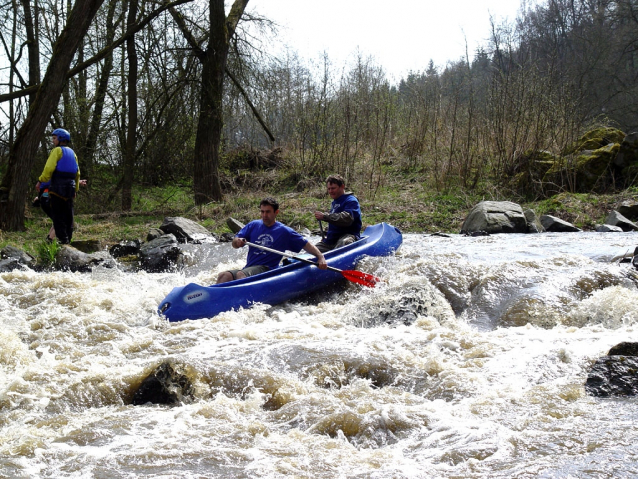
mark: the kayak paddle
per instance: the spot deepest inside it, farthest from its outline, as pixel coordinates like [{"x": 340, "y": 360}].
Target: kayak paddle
[{"x": 358, "y": 277}]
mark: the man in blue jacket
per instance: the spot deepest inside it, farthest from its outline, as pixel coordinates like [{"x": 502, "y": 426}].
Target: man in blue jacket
[
  {"x": 63, "y": 173},
  {"x": 272, "y": 234},
  {"x": 344, "y": 219}
]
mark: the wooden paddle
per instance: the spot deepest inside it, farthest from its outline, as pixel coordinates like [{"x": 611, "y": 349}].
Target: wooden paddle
[{"x": 358, "y": 277}]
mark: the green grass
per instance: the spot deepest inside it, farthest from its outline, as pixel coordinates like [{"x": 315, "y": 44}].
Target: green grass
[{"x": 407, "y": 202}]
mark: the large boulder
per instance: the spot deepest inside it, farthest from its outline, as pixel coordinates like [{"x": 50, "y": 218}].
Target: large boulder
[
  {"x": 69, "y": 258},
  {"x": 185, "y": 230},
  {"x": 553, "y": 224},
  {"x": 13, "y": 258},
  {"x": 588, "y": 164},
  {"x": 587, "y": 170},
  {"x": 615, "y": 374},
  {"x": 496, "y": 217},
  {"x": 597, "y": 138},
  {"x": 160, "y": 254},
  {"x": 616, "y": 219}
]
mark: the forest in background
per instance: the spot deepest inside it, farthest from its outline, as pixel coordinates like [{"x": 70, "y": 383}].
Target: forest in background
[{"x": 132, "y": 101}]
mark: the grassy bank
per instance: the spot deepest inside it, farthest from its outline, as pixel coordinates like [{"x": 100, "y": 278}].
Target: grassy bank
[{"x": 410, "y": 205}]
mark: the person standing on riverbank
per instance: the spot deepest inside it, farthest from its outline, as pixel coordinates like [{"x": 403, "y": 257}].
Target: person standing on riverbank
[
  {"x": 344, "y": 219},
  {"x": 272, "y": 234},
  {"x": 63, "y": 173}
]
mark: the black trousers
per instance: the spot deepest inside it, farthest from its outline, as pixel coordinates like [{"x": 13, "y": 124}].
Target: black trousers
[{"x": 62, "y": 210}]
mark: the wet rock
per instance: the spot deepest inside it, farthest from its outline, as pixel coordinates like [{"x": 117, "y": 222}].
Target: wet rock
[
  {"x": 72, "y": 259},
  {"x": 153, "y": 234},
  {"x": 629, "y": 209},
  {"x": 624, "y": 349},
  {"x": 12, "y": 258},
  {"x": 226, "y": 237},
  {"x": 556, "y": 225},
  {"x": 496, "y": 217},
  {"x": 185, "y": 230},
  {"x": 125, "y": 248},
  {"x": 615, "y": 375},
  {"x": 234, "y": 225},
  {"x": 160, "y": 255},
  {"x": 533, "y": 223},
  {"x": 608, "y": 229},
  {"x": 403, "y": 304},
  {"x": 616, "y": 219},
  {"x": 165, "y": 385}
]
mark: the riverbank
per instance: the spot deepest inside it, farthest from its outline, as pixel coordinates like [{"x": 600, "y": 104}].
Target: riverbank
[{"x": 411, "y": 206}]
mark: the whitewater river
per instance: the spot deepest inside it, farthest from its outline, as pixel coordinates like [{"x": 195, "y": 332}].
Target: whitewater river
[{"x": 469, "y": 362}]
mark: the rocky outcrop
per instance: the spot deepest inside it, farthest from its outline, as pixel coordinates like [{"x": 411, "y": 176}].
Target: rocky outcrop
[
  {"x": 165, "y": 385},
  {"x": 616, "y": 219},
  {"x": 553, "y": 224},
  {"x": 496, "y": 217},
  {"x": 615, "y": 374}
]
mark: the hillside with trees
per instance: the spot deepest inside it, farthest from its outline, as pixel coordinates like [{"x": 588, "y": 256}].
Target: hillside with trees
[{"x": 160, "y": 93}]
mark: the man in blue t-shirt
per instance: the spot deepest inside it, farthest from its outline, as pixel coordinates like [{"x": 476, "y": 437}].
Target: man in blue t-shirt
[
  {"x": 272, "y": 234},
  {"x": 344, "y": 219}
]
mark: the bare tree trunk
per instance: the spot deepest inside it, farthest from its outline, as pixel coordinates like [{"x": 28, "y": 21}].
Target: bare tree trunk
[
  {"x": 88, "y": 149},
  {"x": 31, "y": 27},
  {"x": 209, "y": 128},
  {"x": 16, "y": 181},
  {"x": 131, "y": 137}
]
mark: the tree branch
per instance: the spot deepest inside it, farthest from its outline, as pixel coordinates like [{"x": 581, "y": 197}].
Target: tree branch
[
  {"x": 250, "y": 104},
  {"x": 102, "y": 53}
]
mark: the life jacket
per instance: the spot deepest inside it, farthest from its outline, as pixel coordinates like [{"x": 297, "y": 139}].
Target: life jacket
[
  {"x": 66, "y": 167},
  {"x": 63, "y": 178}
]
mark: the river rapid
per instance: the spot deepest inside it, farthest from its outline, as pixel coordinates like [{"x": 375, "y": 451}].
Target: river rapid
[{"x": 468, "y": 362}]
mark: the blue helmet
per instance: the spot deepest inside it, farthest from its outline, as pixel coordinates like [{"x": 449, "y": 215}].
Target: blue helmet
[{"x": 62, "y": 134}]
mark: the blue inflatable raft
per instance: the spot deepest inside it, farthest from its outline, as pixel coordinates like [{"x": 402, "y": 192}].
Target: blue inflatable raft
[{"x": 194, "y": 301}]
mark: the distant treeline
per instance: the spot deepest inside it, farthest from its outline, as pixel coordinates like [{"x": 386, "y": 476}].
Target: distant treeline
[{"x": 564, "y": 67}]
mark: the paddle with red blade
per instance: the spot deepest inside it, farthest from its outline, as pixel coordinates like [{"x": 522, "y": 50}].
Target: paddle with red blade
[{"x": 364, "y": 279}]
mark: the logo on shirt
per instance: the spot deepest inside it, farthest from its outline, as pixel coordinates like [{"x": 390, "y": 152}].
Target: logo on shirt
[{"x": 264, "y": 240}]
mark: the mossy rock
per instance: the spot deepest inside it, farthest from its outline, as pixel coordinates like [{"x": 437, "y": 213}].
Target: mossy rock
[
  {"x": 530, "y": 170},
  {"x": 588, "y": 171},
  {"x": 596, "y": 139}
]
